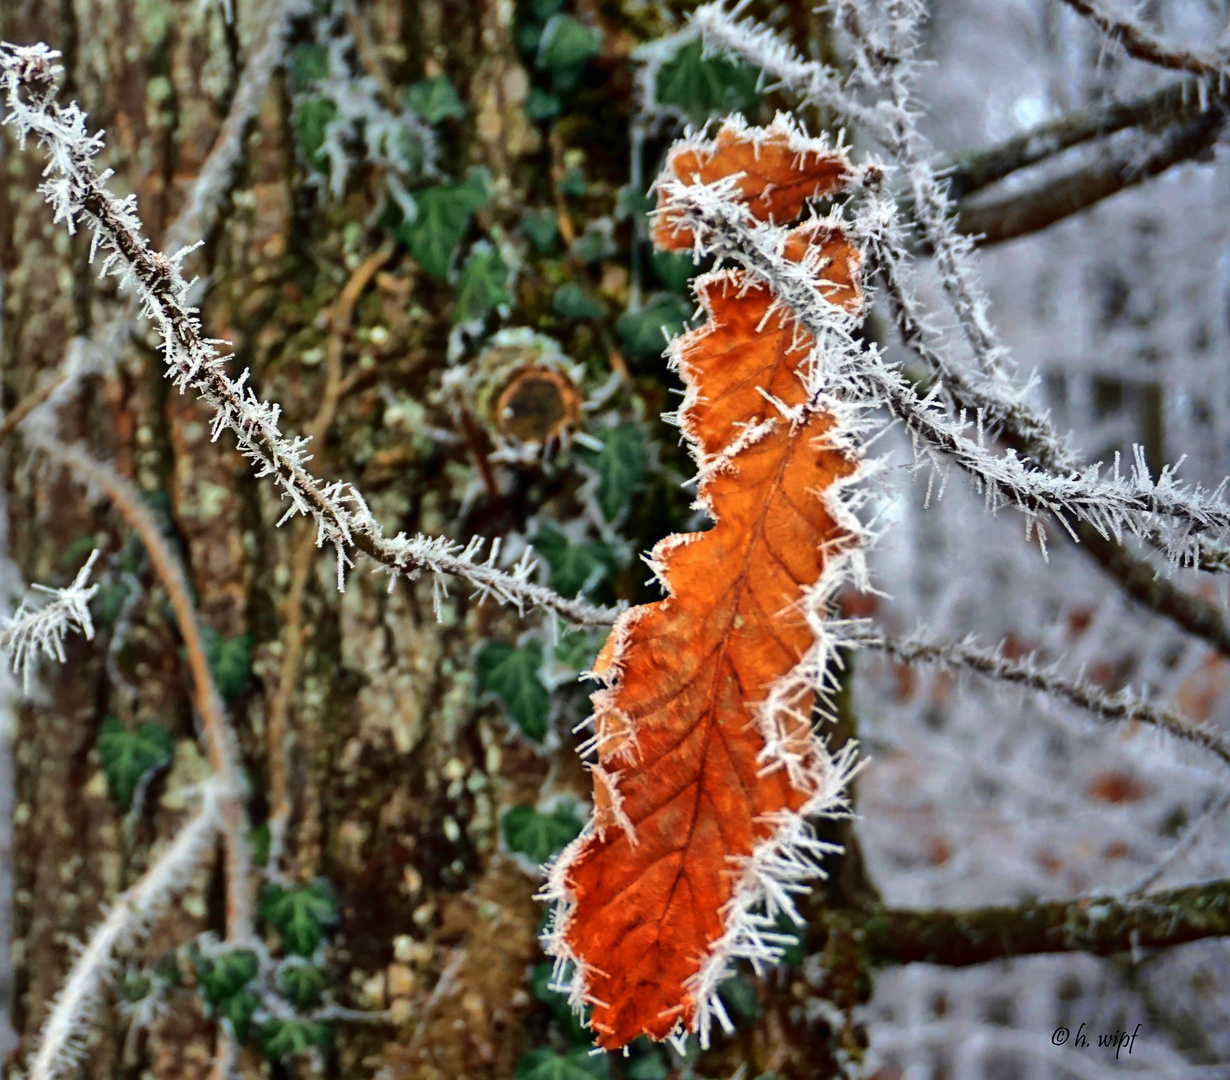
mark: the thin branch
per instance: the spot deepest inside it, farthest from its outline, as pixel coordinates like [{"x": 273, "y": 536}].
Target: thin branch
[
  {"x": 221, "y": 744},
  {"x": 1121, "y": 707},
  {"x": 1113, "y": 504},
  {"x": 1101, "y": 925},
  {"x": 970, "y": 171},
  {"x": 1145, "y": 583},
  {"x": 1137, "y": 41},
  {"x": 1037, "y": 208},
  {"x": 1030, "y": 434},
  {"x": 78, "y": 191},
  {"x": 61, "y": 1040},
  {"x": 26, "y": 633}
]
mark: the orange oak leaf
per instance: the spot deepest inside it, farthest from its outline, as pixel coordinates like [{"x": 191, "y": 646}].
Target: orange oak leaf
[
  {"x": 777, "y": 172},
  {"x": 707, "y": 765}
]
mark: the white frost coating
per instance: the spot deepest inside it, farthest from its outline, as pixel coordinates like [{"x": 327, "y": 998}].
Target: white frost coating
[
  {"x": 27, "y": 633},
  {"x": 76, "y": 190},
  {"x": 60, "y": 1044}
]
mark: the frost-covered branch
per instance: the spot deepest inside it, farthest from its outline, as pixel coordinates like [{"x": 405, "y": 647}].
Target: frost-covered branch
[
  {"x": 27, "y": 633},
  {"x": 1138, "y": 41},
  {"x": 884, "y": 65},
  {"x": 77, "y": 191},
  {"x": 969, "y": 171},
  {"x": 1100, "y": 925},
  {"x": 1114, "y": 504},
  {"x": 1113, "y": 170},
  {"x": 993, "y": 665},
  {"x": 221, "y": 744},
  {"x": 61, "y": 1040},
  {"x": 198, "y": 218}
]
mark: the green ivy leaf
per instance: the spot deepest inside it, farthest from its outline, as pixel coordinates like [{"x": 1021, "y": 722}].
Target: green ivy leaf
[
  {"x": 573, "y": 182},
  {"x": 593, "y": 245},
  {"x": 483, "y": 285},
  {"x": 311, "y": 120},
  {"x": 443, "y": 216},
  {"x": 282, "y": 1038},
  {"x": 541, "y": 105},
  {"x": 542, "y": 10},
  {"x": 260, "y": 840},
  {"x": 647, "y": 1064},
  {"x": 136, "y": 985},
  {"x": 230, "y": 660},
  {"x": 644, "y": 333},
  {"x": 703, "y": 87},
  {"x": 564, "y": 49},
  {"x": 538, "y": 836},
  {"x": 239, "y": 1011},
  {"x": 573, "y": 1027},
  {"x": 738, "y": 994},
  {"x": 573, "y": 302},
  {"x": 574, "y": 566},
  {"x": 575, "y": 1064},
  {"x": 630, "y": 203},
  {"x": 540, "y": 227},
  {"x": 620, "y": 466},
  {"x": 302, "y": 984},
  {"x": 576, "y": 649},
  {"x": 674, "y": 269},
  {"x": 108, "y": 601},
  {"x": 435, "y": 100},
  {"x": 300, "y": 914},
  {"x": 128, "y": 755},
  {"x": 794, "y": 954},
  {"x": 512, "y": 675},
  {"x": 223, "y": 975},
  {"x": 308, "y": 64}
]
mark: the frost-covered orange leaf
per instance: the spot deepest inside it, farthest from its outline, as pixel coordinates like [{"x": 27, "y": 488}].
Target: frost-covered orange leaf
[
  {"x": 778, "y": 171},
  {"x": 706, "y": 767}
]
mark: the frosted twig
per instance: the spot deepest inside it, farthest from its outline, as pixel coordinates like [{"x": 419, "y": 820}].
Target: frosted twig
[
  {"x": 1112, "y": 504},
  {"x": 60, "y": 1042},
  {"x": 1110, "y": 707},
  {"x": 198, "y": 218},
  {"x": 1139, "y": 42},
  {"x": 27, "y": 633},
  {"x": 883, "y": 64},
  {"x": 76, "y": 190}
]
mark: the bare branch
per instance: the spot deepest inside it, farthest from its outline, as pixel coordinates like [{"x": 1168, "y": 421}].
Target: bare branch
[
  {"x": 1035, "y": 209},
  {"x": 970, "y": 171},
  {"x": 1101, "y": 925},
  {"x": 221, "y": 744},
  {"x": 60, "y": 1042},
  {"x": 1137, "y": 41},
  {"x": 1107, "y": 707}
]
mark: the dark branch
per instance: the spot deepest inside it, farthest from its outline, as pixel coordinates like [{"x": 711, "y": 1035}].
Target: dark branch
[
  {"x": 1180, "y": 102},
  {"x": 1035, "y": 209},
  {"x": 1103, "y": 926},
  {"x": 1138, "y": 42}
]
